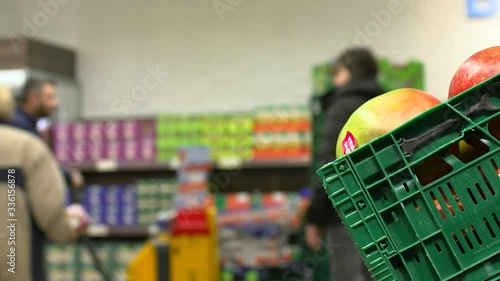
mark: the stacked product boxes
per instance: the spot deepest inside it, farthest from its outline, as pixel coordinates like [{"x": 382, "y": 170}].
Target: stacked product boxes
[
  {"x": 74, "y": 263},
  {"x": 282, "y": 132},
  {"x": 88, "y": 142},
  {"x": 259, "y": 226},
  {"x": 114, "y": 205},
  {"x": 62, "y": 262},
  {"x": 227, "y": 136},
  {"x": 154, "y": 195},
  {"x": 129, "y": 205},
  {"x": 270, "y": 132}
]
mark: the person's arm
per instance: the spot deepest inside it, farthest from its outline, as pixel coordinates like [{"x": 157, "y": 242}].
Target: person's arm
[
  {"x": 66, "y": 174},
  {"x": 72, "y": 177},
  {"x": 46, "y": 195}
]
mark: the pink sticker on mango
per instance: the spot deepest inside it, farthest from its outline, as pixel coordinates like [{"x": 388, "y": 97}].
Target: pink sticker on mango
[{"x": 349, "y": 143}]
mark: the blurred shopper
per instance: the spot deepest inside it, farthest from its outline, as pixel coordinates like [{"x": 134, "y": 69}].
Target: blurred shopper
[
  {"x": 39, "y": 100},
  {"x": 32, "y": 201},
  {"x": 7, "y": 105},
  {"x": 354, "y": 76}
]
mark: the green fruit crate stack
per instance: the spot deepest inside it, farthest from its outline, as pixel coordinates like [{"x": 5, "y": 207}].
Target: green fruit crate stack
[
  {"x": 395, "y": 76},
  {"x": 421, "y": 223},
  {"x": 74, "y": 263}
]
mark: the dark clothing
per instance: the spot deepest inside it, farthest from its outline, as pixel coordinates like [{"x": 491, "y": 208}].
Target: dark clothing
[
  {"x": 343, "y": 103},
  {"x": 344, "y": 261},
  {"x": 326, "y": 99},
  {"x": 25, "y": 121}
]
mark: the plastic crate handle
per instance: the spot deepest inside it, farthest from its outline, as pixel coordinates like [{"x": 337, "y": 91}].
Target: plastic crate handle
[{"x": 408, "y": 146}]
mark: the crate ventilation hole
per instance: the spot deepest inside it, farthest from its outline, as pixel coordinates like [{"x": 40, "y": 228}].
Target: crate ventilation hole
[{"x": 476, "y": 234}]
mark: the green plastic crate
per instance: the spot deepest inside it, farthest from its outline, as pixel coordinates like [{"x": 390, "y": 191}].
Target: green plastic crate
[{"x": 413, "y": 223}]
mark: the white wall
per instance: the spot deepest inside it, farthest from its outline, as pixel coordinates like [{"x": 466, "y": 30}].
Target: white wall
[
  {"x": 62, "y": 24},
  {"x": 8, "y": 16},
  {"x": 56, "y": 21},
  {"x": 441, "y": 35},
  {"x": 260, "y": 52}
]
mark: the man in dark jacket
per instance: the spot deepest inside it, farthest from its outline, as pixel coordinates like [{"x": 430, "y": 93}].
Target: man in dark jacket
[
  {"x": 39, "y": 100},
  {"x": 354, "y": 76}
]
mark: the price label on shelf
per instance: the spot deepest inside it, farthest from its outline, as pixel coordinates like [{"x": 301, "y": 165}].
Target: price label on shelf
[
  {"x": 98, "y": 230},
  {"x": 229, "y": 163},
  {"x": 107, "y": 165},
  {"x": 153, "y": 229},
  {"x": 175, "y": 163}
]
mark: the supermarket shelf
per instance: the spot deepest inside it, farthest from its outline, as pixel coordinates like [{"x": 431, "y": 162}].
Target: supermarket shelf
[
  {"x": 302, "y": 162},
  {"x": 122, "y": 231},
  {"x": 114, "y": 166}
]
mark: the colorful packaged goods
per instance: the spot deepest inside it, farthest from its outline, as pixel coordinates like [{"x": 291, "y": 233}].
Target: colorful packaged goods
[
  {"x": 129, "y": 204},
  {"x": 73, "y": 262},
  {"x": 282, "y": 132},
  {"x": 257, "y": 225},
  {"x": 90, "y": 142}
]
